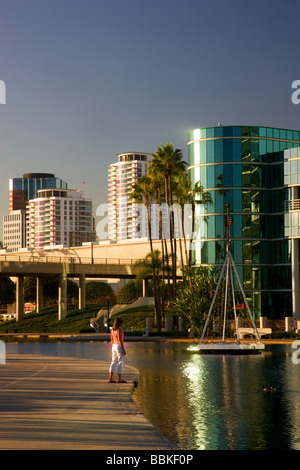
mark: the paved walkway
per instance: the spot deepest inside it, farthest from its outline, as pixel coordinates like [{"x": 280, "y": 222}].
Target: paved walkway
[{"x": 54, "y": 403}]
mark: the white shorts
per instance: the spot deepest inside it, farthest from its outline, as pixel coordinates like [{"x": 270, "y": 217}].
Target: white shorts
[{"x": 118, "y": 359}]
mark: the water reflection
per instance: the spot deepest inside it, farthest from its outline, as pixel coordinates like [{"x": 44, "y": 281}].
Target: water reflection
[{"x": 207, "y": 401}]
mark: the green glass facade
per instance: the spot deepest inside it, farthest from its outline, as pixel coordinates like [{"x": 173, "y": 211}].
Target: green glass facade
[{"x": 242, "y": 166}]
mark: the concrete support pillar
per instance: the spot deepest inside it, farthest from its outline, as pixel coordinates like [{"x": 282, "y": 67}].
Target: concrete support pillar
[
  {"x": 295, "y": 279},
  {"x": 145, "y": 288},
  {"x": 149, "y": 324},
  {"x": 180, "y": 324},
  {"x": 20, "y": 298},
  {"x": 81, "y": 291},
  {"x": 62, "y": 296},
  {"x": 263, "y": 322},
  {"x": 288, "y": 323},
  {"x": 39, "y": 294}
]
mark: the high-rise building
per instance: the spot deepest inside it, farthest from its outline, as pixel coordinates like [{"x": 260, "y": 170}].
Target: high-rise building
[
  {"x": 25, "y": 188},
  {"x": 292, "y": 221},
  {"x": 14, "y": 230},
  {"x": 59, "y": 217},
  {"x": 127, "y": 219},
  {"x": 20, "y": 191},
  {"x": 243, "y": 167}
]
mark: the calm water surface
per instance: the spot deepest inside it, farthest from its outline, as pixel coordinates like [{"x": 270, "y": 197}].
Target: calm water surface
[{"x": 211, "y": 402}]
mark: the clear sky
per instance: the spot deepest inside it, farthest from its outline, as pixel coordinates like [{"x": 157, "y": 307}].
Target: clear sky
[{"x": 87, "y": 79}]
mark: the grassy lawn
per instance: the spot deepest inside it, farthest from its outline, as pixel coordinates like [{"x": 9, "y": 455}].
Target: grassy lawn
[{"x": 77, "y": 321}]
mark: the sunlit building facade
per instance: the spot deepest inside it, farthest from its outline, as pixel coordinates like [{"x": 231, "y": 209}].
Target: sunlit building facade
[
  {"x": 243, "y": 167},
  {"x": 292, "y": 221},
  {"x": 21, "y": 190},
  {"x": 127, "y": 219},
  {"x": 59, "y": 217}
]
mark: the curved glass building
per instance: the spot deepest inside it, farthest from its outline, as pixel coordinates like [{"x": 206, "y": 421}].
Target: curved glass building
[{"x": 242, "y": 167}]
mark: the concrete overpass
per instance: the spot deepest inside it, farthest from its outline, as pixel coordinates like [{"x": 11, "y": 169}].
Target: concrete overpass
[
  {"x": 63, "y": 268},
  {"x": 80, "y": 262}
]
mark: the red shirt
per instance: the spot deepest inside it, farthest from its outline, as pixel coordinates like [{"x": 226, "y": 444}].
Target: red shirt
[{"x": 115, "y": 338}]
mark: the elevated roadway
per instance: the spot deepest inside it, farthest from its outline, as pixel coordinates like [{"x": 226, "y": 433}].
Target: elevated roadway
[{"x": 79, "y": 262}]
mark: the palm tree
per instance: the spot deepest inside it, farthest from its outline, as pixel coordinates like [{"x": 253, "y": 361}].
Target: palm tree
[
  {"x": 153, "y": 262},
  {"x": 168, "y": 162},
  {"x": 141, "y": 193},
  {"x": 182, "y": 194}
]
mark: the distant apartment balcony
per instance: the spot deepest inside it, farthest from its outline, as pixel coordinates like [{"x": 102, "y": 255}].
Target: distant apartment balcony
[
  {"x": 292, "y": 205},
  {"x": 292, "y": 218}
]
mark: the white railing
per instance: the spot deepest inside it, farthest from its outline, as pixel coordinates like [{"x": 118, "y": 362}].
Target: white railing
[
  {"x": 293, "y": 205},
  {"x": 65, "y": 259}
]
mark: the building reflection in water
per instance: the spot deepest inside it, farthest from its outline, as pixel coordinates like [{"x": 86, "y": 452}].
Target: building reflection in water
[{"x": 218, "y": 402}]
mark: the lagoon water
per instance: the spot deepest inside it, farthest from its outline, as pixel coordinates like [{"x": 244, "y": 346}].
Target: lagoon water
[{"x": 211, "y": 402}]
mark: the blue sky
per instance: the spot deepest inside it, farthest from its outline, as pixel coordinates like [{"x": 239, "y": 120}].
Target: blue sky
[{"x": 87, "y": 79}]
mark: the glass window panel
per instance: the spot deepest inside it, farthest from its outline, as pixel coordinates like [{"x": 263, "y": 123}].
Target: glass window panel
[
  {"x": 211, "y": 229},
  {"x": 191, "y": 155},
  {"x": 237, "y": 175},
  {"x": 276, "y": 133},
  {"x": 246, "y": 226},
  {"x": 282, "y": 134},
  {"x": 246, "y": 201},
  {"x": 219, "y": 178},
  {"x": 282, "y": 146},
  {"x": 269, "y": 146},
  {"x": 236, "y": 131},
  {"x": 269, "y": 132},
  {"x": 211, "y": 252},
  {"x": 237, "y": 248},
  {"x": 218, "y": 157},
  {"x": 219, "y": 131},
  {"x": 227, "y": 131},
  {"x": 237, "y": 200},
  {"x": 202, "y": 152},
  {"x": 204, "y": 254},
  {"x": 209, "y": 132},
  {"x": 227, "y": 176},
  {"x": 262, "y": 132},
  {"x": 246, "y": 175},
  {"x": 219, "y": 201},
  {"x": 236, "y": 150},
  {"x": 276, "y": 146},
  {"x": 289, "y": 135},
  {"x": 262, "y": 146},
  {"x": 210, "y": 157},
  {"x": 228, "y": 198},
  {"x": 219, "y": 226},
  {"x": 227, "y": 149},
  {"x": 237, "y": 228},
  {"x": 296, "y": 135},
  {"x": 246, "y": 150},
  {"x": 254, "y": 150},
  {"x": 246, "y": 131},
  {"x": 210, "y": 176},
  {"x": 203, "y": 180},
  {"x": 202, "y": 133},
  {"x": 255, "y": 176}
]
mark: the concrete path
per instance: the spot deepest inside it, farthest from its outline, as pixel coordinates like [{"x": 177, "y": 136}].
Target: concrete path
[{"x": 55, "y": 403}]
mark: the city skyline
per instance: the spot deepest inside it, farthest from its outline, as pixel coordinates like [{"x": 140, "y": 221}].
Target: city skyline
[{"x": 86, "y": 80}]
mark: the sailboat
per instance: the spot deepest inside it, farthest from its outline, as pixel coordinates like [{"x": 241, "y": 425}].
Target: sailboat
[{"x": 228, "y": 273}]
